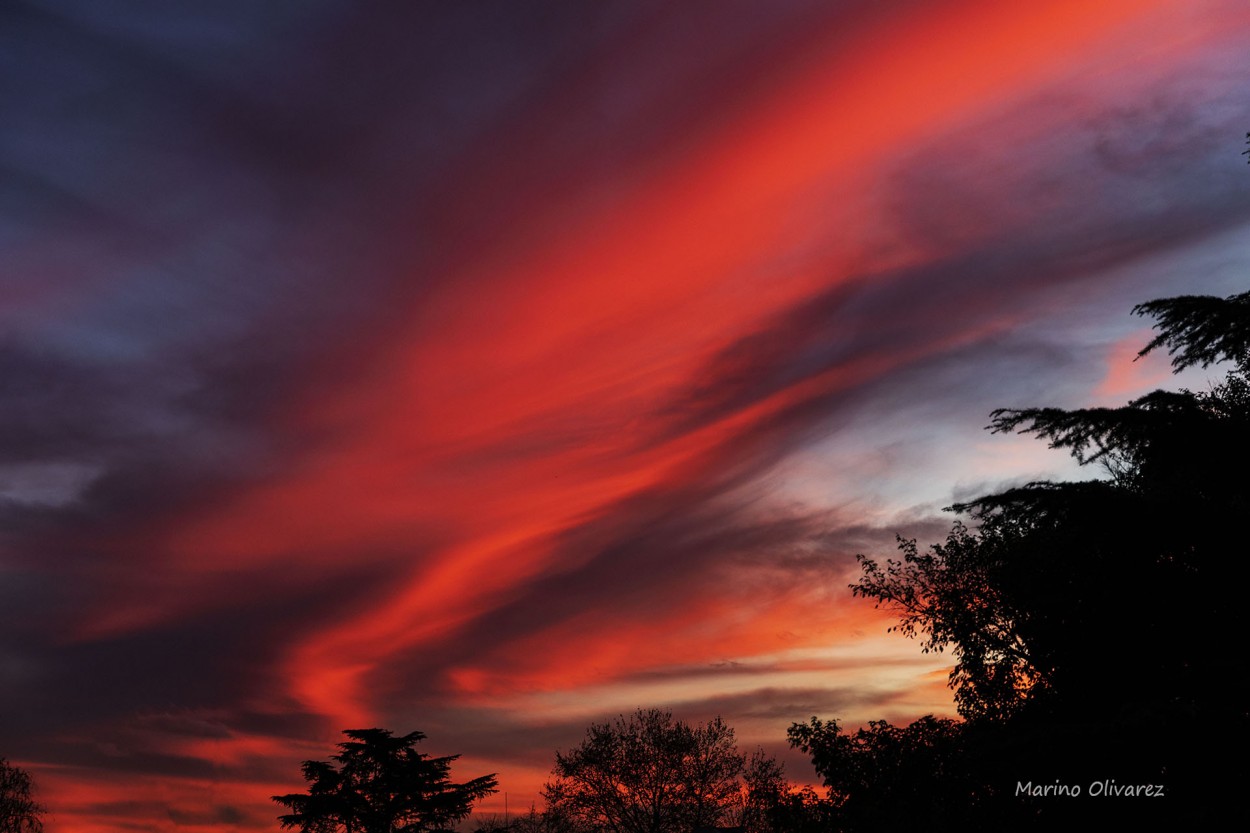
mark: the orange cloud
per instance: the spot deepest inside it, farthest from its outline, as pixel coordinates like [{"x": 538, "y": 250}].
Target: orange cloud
[{"x": 1126, "y": 375}]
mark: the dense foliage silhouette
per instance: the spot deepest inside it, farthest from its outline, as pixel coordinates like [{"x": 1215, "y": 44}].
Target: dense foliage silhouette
[
  {"x": 1092, "y": 631},
  {"x": 379, "y": 783},
  {"x": 885, "y": 777}
]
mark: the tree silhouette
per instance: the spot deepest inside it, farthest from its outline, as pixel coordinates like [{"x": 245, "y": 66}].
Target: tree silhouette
[
  {"x": 19, "y": 812},
  {"x": 1201, "y": 329},
  {"x": 650, "y": 773},
  {"x": 884, "y": 777},
  {"x": 381, "y": 784},
  {"x": 1052, "y": 566},
  {"x": 1091, "y": 637}
]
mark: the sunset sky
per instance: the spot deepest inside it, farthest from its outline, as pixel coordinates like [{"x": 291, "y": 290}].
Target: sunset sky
[{"x": 488, "y": 369}]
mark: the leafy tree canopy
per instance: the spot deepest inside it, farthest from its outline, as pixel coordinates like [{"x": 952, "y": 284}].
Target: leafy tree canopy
[
  {"x": 885, "y": 777},
  {"x": 379, "y": 783},
  {"x": 651, "y": 773}
]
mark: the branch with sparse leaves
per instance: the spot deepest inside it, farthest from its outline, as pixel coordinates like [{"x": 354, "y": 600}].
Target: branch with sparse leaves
[{"x": 19, "y": 811}]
